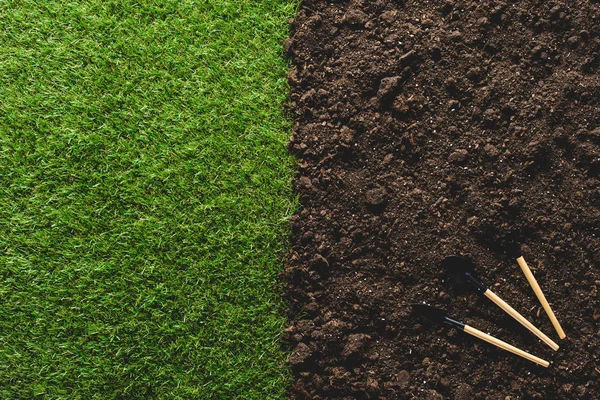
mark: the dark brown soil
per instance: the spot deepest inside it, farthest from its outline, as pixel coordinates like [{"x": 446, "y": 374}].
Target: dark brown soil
[{"x": 430, "y": 128}]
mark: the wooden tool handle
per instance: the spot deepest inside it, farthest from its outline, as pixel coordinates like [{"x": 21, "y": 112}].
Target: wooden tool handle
[
  {"x": 540, "y": 295},
  {"x": 503, "y": 345},
  {"x": 513, "y": 313}
]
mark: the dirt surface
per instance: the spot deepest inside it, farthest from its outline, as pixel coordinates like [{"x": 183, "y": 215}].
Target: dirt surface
[{"x": 425, "y": 129}]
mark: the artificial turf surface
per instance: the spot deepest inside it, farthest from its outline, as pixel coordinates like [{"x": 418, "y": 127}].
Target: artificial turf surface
[{"x": 144, "y": 188}]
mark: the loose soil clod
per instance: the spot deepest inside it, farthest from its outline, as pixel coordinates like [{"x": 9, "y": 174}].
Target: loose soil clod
[{"x": 491, "y": 127}]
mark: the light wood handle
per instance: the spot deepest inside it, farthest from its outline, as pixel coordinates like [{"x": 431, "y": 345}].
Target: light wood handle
[
  {"x": 513, "y": 313},
  {"x": 540, "y": 295},
  {"x": 503, "y": 345}
]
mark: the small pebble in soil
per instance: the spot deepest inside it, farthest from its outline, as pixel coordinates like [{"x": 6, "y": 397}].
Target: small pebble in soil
[
  {"x": 455, "y": 36},
  {"x": 355, "y": 343},
  {"x": 387, "y": 87},
  {"x": 376, "y": 198},
  {"x": 402, "y": 379},
  {"x": 460, "y": 156},
  {"x": 490, "y": 116},
  {"x": 355, "y": 17},
  {"x": 491, "y": 150}
]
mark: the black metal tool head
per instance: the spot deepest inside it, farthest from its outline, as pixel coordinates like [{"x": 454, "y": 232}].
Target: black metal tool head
[
  {"x": 431, "y": 314},
  {"x": 462, "y": 273},
  {"x": 511, "y": 247},
  {"x": 436, "y": 316},
  {"x": 508, "y": 243}
]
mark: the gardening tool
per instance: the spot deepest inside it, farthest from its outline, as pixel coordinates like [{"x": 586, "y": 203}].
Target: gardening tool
[
  {"x": 540, "y": 295},
  {"x": 462, "y": 271},
  {"x": 439, "y": 317},
  {"x": 515, "y": 251}
]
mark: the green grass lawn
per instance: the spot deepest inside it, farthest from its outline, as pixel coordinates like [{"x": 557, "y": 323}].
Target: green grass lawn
[{"x": 144, "y": 188}]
